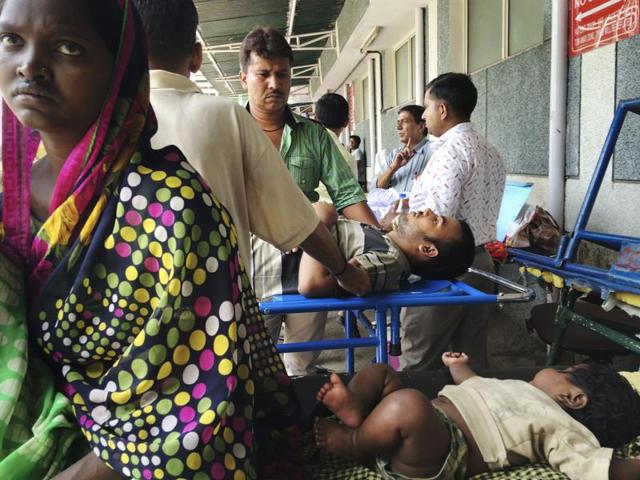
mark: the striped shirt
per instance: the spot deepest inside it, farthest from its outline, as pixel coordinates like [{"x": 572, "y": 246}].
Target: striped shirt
[{"x": 276, "y": 272}]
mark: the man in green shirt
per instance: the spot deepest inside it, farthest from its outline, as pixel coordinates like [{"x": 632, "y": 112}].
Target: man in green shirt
[
  {"x": 306, "y": 148},
  {"x": 309, "y": 153}
]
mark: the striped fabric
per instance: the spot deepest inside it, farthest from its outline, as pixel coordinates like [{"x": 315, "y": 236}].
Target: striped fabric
[
  {"x": 276, "y": 272},
  {"x": 324, "y": 466}
]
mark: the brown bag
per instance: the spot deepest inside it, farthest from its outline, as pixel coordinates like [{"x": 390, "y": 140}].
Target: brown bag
[{"x": 535, "y": 229}]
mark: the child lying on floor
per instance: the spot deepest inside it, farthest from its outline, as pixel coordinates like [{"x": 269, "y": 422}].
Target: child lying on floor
[
  {"x": 422, "y": 243},
  {"x": 570, "y": 419}
]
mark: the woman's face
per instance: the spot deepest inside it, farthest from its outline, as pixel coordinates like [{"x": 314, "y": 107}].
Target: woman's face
[{"x": 55, "y": 69}]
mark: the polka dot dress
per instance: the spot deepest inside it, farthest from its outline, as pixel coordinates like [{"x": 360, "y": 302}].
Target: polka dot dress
[{"x": 158, "y": 336}]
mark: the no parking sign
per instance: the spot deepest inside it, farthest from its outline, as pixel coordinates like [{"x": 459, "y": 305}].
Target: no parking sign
[{"x": 595, "y": 23}]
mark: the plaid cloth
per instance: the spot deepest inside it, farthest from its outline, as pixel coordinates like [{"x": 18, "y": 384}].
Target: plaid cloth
[
  {"x": 324, "y": 466},
  {"x": 36, "y": 424}
]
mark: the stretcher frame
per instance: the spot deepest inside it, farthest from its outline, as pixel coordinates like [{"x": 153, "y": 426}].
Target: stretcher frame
[
  {"x": 578, "y": 278},
  {"x": 421, "y": 293}
]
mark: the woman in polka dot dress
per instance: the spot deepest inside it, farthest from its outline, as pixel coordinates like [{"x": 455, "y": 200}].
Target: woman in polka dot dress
[{"x": 136, "y": 295}]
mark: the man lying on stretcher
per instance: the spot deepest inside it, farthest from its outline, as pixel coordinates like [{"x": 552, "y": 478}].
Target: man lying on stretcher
[{"x": 421, "y": 243}]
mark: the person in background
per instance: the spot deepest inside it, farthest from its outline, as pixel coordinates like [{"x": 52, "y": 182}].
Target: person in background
[
  {"x": 361, "y": 159},
  {"x": 464, "y": 179},
  {"x": 405, "y": 163},
  {"x": 232, "y": 154},
  {"x": 310, "y": 155},
  {"x": 332, "y": 111}
]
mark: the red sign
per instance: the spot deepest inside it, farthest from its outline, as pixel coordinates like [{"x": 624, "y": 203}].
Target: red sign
[
  {"x": 595, "y": 23},
  {"x": 352, "y": 107}
]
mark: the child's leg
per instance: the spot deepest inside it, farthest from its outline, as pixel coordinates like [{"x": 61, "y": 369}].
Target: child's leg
[
  {"x": 352, "y": 403},
  {"x": 404, "y": 426}
]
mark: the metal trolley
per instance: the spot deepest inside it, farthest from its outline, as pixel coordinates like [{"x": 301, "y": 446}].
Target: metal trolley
[
  {"x": 421, "y": 293},
  {"x": 621, "y": 280}
]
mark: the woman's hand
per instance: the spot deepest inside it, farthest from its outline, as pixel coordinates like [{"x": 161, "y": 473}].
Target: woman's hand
[{"x": 88, "y": 467}]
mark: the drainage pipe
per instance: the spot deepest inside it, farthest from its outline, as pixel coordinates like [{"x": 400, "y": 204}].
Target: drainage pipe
[
  {"x": 378, "y": 98},
  {"x": 558, "y": 110},
  {"x": 419, "y": 55},
  {"x": 371, "y": 113}
]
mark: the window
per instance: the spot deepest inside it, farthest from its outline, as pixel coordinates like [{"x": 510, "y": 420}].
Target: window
[
  {"x": 485, "y": 33},
  {"x": 404, "y": 66},
  {"x": 526, "y": 24},
  {"x": 491, "y": 39}
]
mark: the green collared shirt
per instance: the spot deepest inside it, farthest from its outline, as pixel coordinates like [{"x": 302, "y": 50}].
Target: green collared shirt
[{"x": 312, "y": 157}]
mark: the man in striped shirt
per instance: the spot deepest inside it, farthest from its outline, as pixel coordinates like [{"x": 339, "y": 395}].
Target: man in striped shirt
[{"x": 422, "y": 243}]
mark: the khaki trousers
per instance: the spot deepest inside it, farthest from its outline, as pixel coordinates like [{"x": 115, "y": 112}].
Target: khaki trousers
[
  {"x": 428, "y": 332},
  {"x": 298, "y": 327}
]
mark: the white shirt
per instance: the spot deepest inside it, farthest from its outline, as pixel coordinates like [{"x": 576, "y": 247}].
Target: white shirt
[
  {"x": 243, "y": 168},
  {"x": 464, "y": 179},
  {"x": 514, "y": 424}
]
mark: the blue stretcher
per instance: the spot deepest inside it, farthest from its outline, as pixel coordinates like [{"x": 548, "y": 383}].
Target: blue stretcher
[
  {"x": 421, "y": 293},
  {"x": 622, "y": 280}
]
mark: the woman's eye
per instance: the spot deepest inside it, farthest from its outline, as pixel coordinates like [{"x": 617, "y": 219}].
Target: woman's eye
[
  {"x": 9, "y": 40},
  {"x": 70, "y": 49}
]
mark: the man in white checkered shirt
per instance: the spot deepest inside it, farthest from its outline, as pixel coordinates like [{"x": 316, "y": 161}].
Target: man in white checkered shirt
[{"x": 464, "y": 179}]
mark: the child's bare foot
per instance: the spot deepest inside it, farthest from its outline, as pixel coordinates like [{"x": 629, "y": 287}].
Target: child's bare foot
[
  {"x": 333, "y": 437},
  {"x": 340, "y": 400}
]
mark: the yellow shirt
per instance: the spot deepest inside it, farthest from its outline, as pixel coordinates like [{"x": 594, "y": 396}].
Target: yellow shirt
[
  {"x": 515, "y": 423},
  {"x": 238, "y": 161}
]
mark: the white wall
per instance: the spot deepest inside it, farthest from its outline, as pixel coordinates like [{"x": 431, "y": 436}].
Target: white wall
[{"x": 616, "y": 206}]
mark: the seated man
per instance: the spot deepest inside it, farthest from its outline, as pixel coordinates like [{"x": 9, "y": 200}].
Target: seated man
[
  {"x": 421, "y": 243},
  {"x": 405, "y": 163}
]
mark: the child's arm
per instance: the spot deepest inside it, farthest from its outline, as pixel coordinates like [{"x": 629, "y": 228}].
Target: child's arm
[
  {"x": 458, "y": 366},
  {"x": 624, "y": 469},
  {"x": 314, "y": 280}
]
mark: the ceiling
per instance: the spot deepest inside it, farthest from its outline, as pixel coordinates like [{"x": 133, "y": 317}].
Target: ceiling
[{"x": 224, "y": 23}]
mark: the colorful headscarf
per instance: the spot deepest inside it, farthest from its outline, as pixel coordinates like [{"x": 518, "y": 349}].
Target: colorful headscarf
[
  {"x": 91, "y": 172},
  {"x": 138, "y": 299}
]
